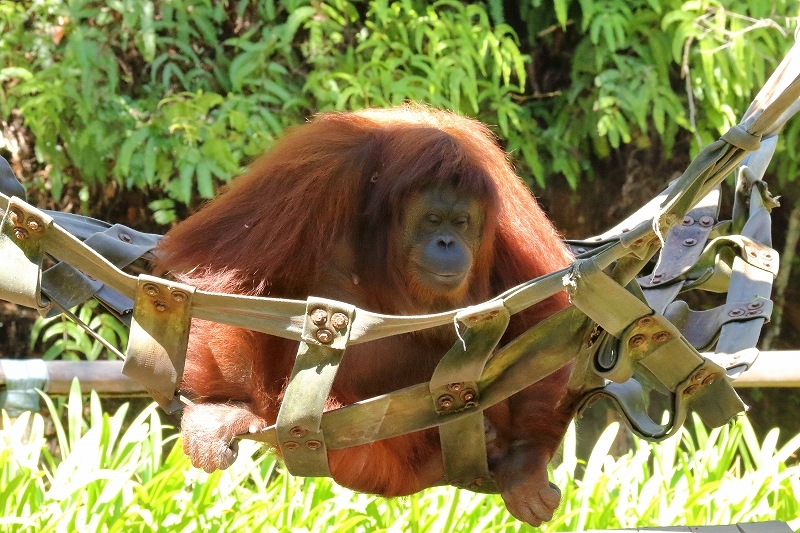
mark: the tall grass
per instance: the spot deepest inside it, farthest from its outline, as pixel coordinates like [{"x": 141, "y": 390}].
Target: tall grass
[{"x": 108, "y": 475}]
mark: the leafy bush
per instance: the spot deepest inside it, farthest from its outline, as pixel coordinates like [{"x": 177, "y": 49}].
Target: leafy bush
[
  {"x": 64, "y": 339},
  {"x": 174, "y": 97},
  {"x": 109, "y": 476}
]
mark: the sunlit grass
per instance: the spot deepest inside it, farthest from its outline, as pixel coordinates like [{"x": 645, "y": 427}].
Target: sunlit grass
[{"x": 111, "y": 476}]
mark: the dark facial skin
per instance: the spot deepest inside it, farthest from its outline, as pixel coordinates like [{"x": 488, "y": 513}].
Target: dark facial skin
[{"x": 442, "y": 232}]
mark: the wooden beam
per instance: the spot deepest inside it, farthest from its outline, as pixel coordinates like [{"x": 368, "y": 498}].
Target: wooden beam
[
  {"x": 103, "y": 376},
  {"x": 771, "y": 369}
]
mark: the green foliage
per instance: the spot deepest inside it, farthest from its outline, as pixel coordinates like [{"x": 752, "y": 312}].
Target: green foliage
[
  {"x": 64, "y": 339},
  {"x": 175, "y": 97},
  {"x": 112, "y": 475}
]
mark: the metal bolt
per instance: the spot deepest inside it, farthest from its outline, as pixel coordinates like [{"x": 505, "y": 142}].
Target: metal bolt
[
  {"x": 657, "y": 277},
  {"x": 661, "y": 336},
  {"x": 706, "y": 221},
  {"x": 319, "y": 316},
  {"x": 34, "y": 225},
  {"x": 470, "y": 405},
  {"x": 699, "y": 374},
  {"x": 14, "y": 215},
  {"x": 291, "y": 445},
  {"x": 755, "y": 305},
  {"x": 580, "y": 250},
  {"x": 468, "y": 395},
  {"x": 736, "y": 312},
  {"x": 179, "y": 296},
  {"x": 21, "y": 233},
  {"x": 445, "y": 401},
  {"x": 151, "y": 289},
  {"x": 339, "y": 320},
  {"x": 313, "y": 445},
  {"x": 325, "y": 336},
  {"x": 710, "y": 379},
  {"x": 688, "y": 221},
  {"x": 766, "y": 255},
  {"x": 691, "y": 389},
  {"x": 753, "y": 312},
  {"x": 297, "y": 432},
  {"x": 124, "y": 237},
  {"x": 637, "y": 340},
  {"x": 161, "y": 306},
  {"x": 752, "y": 253},
  {"x": 645, "y": 321},
  {"x": 455, "y": 387},
  {"x": 689, "y": 242}
]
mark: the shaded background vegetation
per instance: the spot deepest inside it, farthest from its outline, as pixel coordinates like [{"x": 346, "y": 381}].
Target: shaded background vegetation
[{"x": 137, "y": 111}]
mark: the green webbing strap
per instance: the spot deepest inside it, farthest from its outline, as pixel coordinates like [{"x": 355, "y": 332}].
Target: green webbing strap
[
  {"x": 684, "y": 244},
  {"x": 652, "y": 346},
  {"x": 454, "y": 387},
  {"x": 158, "y": 338},
  {"x": 22, "y": 249},
  {"x": 326, "y": 332},
  {"x": 118, "y": 244}
]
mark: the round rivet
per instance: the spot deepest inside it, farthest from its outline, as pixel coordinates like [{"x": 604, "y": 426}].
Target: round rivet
[
  {"x": 699, "y": 374},
  {"x": 645, "y": 321},
  {"x": 755, "y": 305},
  {"x": 766, "y": 255},
  {"x": 478, "y": 481},
  {"x": 637, "y": 340},
  {"x": 736, "y": 312},
  {"x": 597, "y": 239},
  {"x": 689, "y": 242},
  {"x": 752, "y": 253},
  {"x": 691, "y": 389},
  {"x": 706, "y": 221},
  {"x": 325, "y": 336},
  {"x": 161, "y": 306},
  {"x": 688, "y": 221},
  {"x": 179, "y": 296},
  {"x": 468, "y": 395},
  {"x": 710, "y": 379},
  {"x": 661, "y": 336},
  {"x": 124, "y": 237},
  {"x": 319, "y": 316},
  {"x": 313, "y": 445},
  {"x": 657, "y": 277},
  {"x": 455, "y": 387},
  {"x": 15, "y": 215},
  {"x": 297, "y": 432},
  {"x": 151, "y": 289},
  {"x": 445, "y": 401},
  {"x": 470, "y": 405},
  {"x": 581, "y": 250},
  {"x": 21, "y": 233},
  {"x": 34, "y": 225},
  {"x": 753, "y": 312},
  {"x": 339, "y": 320},
  {"x": 291, "y": 445}
]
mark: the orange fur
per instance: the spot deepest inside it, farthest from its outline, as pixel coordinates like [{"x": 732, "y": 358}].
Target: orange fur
[{"x": 320, "y": 214}]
